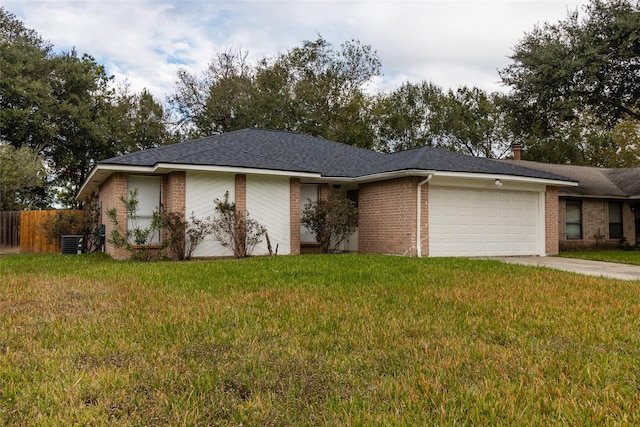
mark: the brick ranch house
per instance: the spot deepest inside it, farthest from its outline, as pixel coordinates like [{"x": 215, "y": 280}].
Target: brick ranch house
[
  {"x": 420, "y": 202},
  {"x": 603, "y": 211}
]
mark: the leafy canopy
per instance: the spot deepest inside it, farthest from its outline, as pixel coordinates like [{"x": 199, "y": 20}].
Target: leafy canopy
[
  {"x": 66, "y": 108},
  {"x": 575, "y": 81}
]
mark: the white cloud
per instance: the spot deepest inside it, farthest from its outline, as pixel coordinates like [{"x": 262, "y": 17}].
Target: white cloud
[{"x": 450, "y": 43}]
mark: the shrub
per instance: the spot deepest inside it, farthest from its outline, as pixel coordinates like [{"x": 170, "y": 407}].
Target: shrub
[
  {"x": 184, "y": 236},
  {"x": 85, "y": 223},
  {"x": 137, "y": 240},
  {"x": 235, "y": 230},
  {"x": 331, "y": 221}
]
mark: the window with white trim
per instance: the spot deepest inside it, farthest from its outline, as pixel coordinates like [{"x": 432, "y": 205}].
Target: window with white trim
[
  {"x": 308, "y": 193},
  {"x": 615, "y": 220},
  {"x": 573, "y": 219},
  {"x": 149, "y": 194}
]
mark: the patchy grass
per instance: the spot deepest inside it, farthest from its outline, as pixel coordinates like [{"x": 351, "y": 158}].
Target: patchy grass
[
  {"x": 620, "y": 257},
  {"x": 314, "y": 340}
]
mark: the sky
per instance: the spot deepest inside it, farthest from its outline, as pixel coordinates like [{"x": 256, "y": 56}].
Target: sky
[{"x": 144, "y": 42}]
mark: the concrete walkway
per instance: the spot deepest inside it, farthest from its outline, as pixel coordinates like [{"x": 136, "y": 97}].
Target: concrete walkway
[{"x": 590, "y": 268}]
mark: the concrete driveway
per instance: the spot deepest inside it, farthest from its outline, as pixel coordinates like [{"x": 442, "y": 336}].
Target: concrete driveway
[{"x": 590, "y": 268}]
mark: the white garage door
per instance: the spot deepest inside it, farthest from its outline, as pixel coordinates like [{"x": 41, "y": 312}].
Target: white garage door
[{"x": 465, "y": 222}]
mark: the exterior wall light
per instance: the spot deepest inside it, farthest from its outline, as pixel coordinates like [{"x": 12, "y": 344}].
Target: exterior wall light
[{"x": 498, "y": 183}]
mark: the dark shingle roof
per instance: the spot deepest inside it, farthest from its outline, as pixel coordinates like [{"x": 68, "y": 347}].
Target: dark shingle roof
[
  {"x": 628, "y": 180},
  {"x": 288, "y": 151},
  {"x": 430, "y": 158},
  {"x": 259, "y": 149},
  {"x": 592, "y": 181}
]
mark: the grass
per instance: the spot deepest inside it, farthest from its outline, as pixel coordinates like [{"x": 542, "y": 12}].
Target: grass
[
  {"x": 314, "y": 340},
  {"x": 620, "y": 256}
]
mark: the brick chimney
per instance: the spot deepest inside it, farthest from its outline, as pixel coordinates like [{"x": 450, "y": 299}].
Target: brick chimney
[{"x": 516, "y": 147}]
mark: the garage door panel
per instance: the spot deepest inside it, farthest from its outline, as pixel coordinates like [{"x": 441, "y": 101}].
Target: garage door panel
[{"x": 470, "y": 222}]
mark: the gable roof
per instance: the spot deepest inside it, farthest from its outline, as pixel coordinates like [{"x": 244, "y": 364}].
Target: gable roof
[
  {"x": 592, "y": 181},
  {"x": 297, "y": 154}
]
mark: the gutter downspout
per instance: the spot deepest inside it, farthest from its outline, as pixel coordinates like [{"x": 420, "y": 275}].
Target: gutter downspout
[{"x": 419, "y": 215}]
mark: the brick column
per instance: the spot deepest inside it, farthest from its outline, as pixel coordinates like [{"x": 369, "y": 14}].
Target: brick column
[
  {"x": 111, "y": 191},
  {"x": 294, "y": 216},
  {"x": 174, "y": 192},
  {"x": 324, "y": 192},
  {"x": 551, "y": 220},
  {"x": 241, "y": 193}
]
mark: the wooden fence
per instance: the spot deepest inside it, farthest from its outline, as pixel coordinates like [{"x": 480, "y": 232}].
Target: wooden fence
[
  {"x": 10, "y": 229},
  {"x": 32, "y": 237}
]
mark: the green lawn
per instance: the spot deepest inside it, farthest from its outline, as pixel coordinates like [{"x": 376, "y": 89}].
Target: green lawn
[
  {"x": 621, "y": 257},
  {"x": 314, "y": 340}
]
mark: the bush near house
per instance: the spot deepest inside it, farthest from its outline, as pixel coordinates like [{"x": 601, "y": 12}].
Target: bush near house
[
  {"x": 331, "y": 221},
  {"x": 314, "y": 340}
]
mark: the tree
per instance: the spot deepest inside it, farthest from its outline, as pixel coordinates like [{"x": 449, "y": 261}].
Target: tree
[
  {"x": 213, "y": 102},
  {"x": 64, "y": 107},
  {"x": 22, "y": 173},
  {"x": 409, "y": 117},
  {"x": 331, "y": 221},
  {"x": 25, "y": 93},
  {"x": 576, "y": 74},
  {"x": 81, "y": 89},
  {"x": 474, "y": 123},
  {"x": 133, "y": 122},
  {"x": 467, "y": 120},
  {"x": 326, "y": 87},
  {"x": 313, "y": 89}
]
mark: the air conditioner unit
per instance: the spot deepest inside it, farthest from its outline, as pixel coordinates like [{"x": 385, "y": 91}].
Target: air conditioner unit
[{"x": 72, "y": 244}]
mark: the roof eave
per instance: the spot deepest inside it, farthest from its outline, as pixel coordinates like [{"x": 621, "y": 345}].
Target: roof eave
[
  {"x": 598, "y": 196},
  {"x": 513, "y": 178},
  {"x": 371, "y": 178},
  {"x": 102, "y": 171}
]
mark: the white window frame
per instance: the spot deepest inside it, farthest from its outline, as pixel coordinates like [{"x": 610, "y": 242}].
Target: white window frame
[
  {"x": 566, "y": 219},
  {"x": 307, "y": 192},
  {"x": 149, "y": 200},
  {"x": 620, "y": 222}
]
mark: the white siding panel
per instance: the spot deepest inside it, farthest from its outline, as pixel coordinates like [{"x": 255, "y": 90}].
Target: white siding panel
[
  {"x": 469, "y": 222},
  {"x": 268, "y": 202},
  {"x": 202, "y": 188}
]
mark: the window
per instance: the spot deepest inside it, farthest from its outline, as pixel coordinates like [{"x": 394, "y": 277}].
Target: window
[
  {"x": 149, "y": 190},
  {"x": 308, "y": 193},
  {"x": 615, "y": 220},
  {"x": 353, "y": 196},
  {"x": 573, "y": 219}
]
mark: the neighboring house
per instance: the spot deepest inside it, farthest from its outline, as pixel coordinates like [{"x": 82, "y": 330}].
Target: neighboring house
[
  {"x": 602, "y": 211},
  {"x": 420, "y": 202}
]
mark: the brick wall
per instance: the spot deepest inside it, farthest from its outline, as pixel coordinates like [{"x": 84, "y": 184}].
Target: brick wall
[
  {"x": 551, "y": 220},
  {"x": 294, "y": 214},
  {"x": 387, "y": 217},
  {"x": 595, "y": 226},
  {"x": 628, "y": 224},
  {"x": 111, "y": 191}
]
